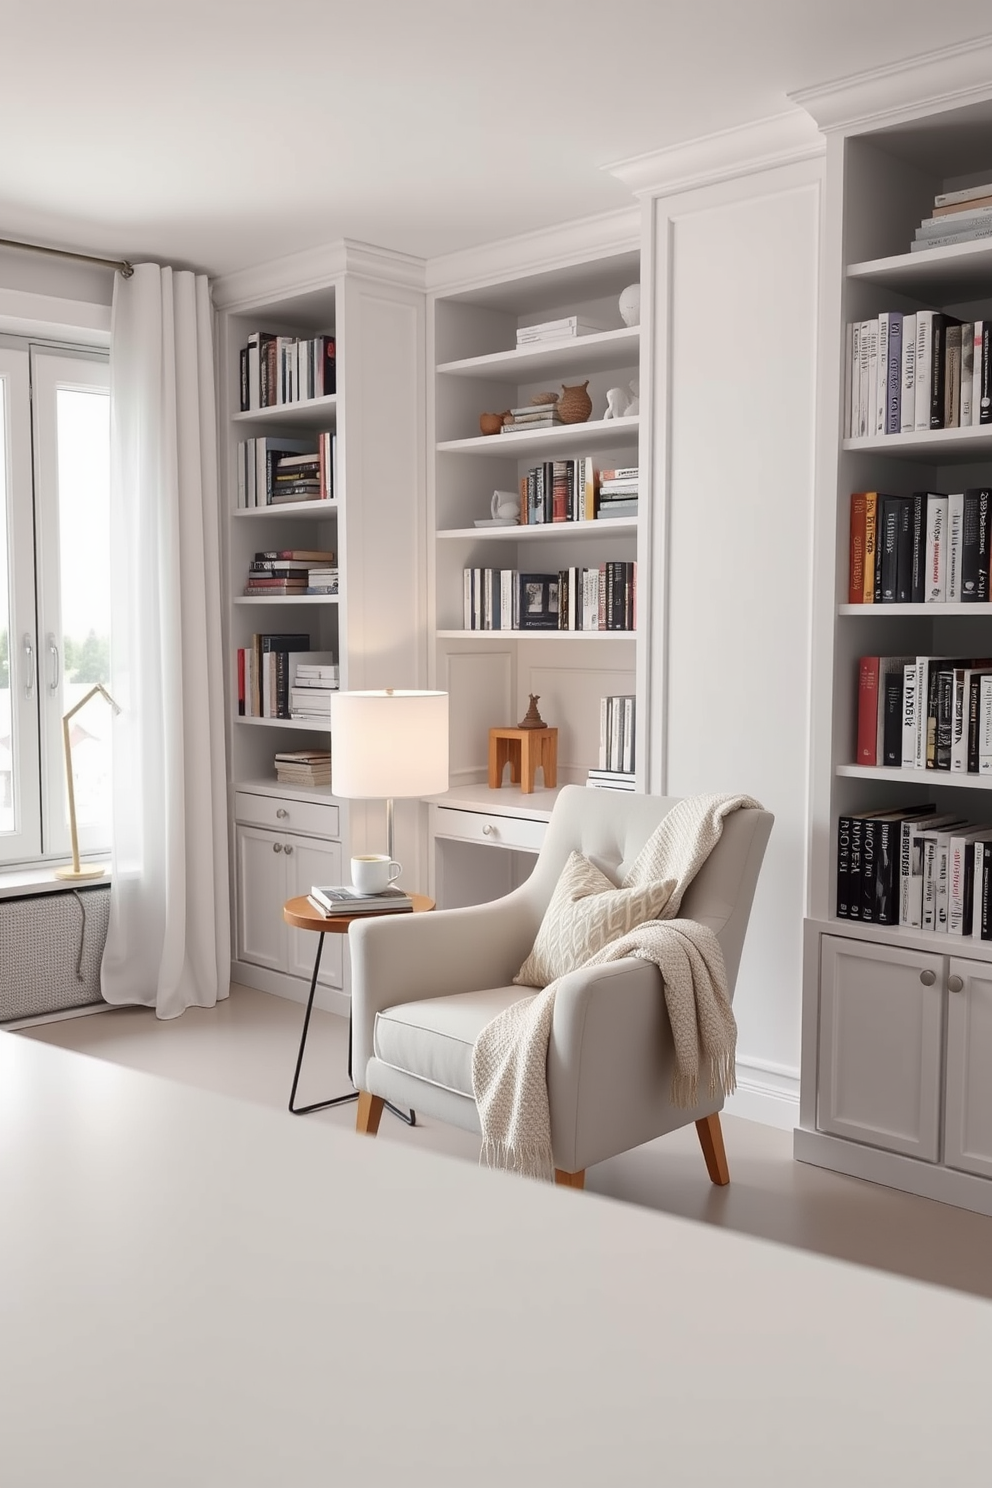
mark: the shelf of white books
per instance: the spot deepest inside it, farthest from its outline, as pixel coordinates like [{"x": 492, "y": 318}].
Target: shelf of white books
[
  {"x": 310, "y": 413},
  {"x": 931, "y": 611},
  {"x": 940, "y": 446},
  {"x": 317, "y": 509},
  {"x": 598, "y": 352},
  {"x": 938, "y": 941},
  {"x": 310, "y": 725},
  {"x": 596, "y": 434},
  {"x": 534, "y": 532},
  {"x": 287, "y": 599},
  {"x": 926, "y": 778},
  {"x": 537, "y": 635},
  {"x": 955, "y": 272}
]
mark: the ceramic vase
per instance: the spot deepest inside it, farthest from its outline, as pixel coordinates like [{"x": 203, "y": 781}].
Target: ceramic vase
[
  {"x": 630, "y": 305},
  {"x": 574, "y": 403}
]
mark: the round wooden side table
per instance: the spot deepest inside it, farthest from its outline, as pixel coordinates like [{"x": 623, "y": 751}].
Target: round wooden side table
[{"x": 300, "y": 913}]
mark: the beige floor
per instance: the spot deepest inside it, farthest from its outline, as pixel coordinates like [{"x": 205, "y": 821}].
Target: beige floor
[{"x": 247, "y": 1046}]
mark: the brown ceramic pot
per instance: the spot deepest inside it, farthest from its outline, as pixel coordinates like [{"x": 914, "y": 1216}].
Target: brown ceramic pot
[{"x": 491, "y": 423}]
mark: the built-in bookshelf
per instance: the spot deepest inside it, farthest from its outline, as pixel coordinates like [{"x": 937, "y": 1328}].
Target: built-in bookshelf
[
  {"x": 897, "y": 1021},
  {"x": 484, "y": 656}
]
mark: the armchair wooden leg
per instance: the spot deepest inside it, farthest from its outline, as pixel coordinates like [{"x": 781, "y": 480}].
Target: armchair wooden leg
[
  {"x": 711, "y": 1140},
  {"x": 570, "y": 1180},
  {"x": 370, "y": 1109}
]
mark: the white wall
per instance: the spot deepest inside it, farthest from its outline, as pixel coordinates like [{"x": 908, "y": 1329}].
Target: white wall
[
  {"x": 54, "y": 297},
  {"x": 735, "y": 327}
]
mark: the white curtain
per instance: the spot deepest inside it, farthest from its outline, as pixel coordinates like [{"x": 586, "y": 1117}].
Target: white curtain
[{"x": 168, "y": 942}]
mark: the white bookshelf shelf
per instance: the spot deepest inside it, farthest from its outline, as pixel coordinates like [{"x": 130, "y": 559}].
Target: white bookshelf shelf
[
  {"x": 306, "y": 725},
  {"x": 930, "y": 611},
  {"x": 538, "y": 530},
  {"x": 949, "y": 274},
  {"x": 506, "y": 800},
  {"x": 538, "y": 635},
  {"x": 927, "y": 778},
  {"x": 937, "y": 941},
  {"x": 935, "y": 445},
  {"x": 595, "y": 353},
  {"x": 287, "y": 599},
  {"x": 317, "y": 509},
  {"x": 312, "y": 413},
  {"x": 596, "y": 434},
  {"x": 269, "y": 785}
]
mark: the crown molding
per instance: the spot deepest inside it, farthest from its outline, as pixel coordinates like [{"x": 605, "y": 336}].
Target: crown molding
[
  {"x": 539, "y": 251},
  {"x": 781, "y": 139},
  {"x": 954, "y": 74},
  {"x": 314, "y": 269}
]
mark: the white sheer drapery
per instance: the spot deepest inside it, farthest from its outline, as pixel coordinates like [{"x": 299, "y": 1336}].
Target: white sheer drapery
[{"x": 168, "y": 942}]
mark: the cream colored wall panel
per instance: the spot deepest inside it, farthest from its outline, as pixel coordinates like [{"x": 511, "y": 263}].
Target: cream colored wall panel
[
  {"x": 569, "y": 701},
  {"x": 481, "y": 687},
  {"x": 740, "y": 263}
]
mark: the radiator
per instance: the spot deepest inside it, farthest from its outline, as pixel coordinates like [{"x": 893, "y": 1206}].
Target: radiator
[{"x": 51, "y": 946}]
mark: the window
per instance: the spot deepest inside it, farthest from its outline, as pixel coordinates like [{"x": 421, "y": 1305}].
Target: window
[{"x": 54, "y": 596}]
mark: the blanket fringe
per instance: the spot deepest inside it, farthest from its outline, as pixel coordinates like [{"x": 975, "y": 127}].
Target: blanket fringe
[
  {"x": 531, "y": 1160},
  {"x": 723, "y": 1081}
]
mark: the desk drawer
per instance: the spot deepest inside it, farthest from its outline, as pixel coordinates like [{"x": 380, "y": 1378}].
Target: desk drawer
[
  {"x": 309, "y": 817},
  {"x": 489, "y": 829}
]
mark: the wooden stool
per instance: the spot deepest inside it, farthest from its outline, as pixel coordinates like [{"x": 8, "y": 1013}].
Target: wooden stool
[{"x": 525, "y": 749}]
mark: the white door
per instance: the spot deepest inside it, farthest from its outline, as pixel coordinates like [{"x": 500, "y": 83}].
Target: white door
[
  {"x": 262, "y": 890},
  {"x": 880, "y": 1046},
  {"x": 968, "y": 1104},
  {"x": 310, "y": 861}
]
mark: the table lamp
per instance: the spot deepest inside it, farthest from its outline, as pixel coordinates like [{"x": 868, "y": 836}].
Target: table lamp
[
  {"x": 387, "y": 744},
  {"x": 91, "y": 870}
]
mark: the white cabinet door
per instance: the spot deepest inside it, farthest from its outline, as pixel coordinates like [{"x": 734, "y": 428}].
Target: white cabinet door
[
  {"x": 310, "y": 862},
  {"x": 968, "y": 1105},
  {"x": 880, "y": 1046},
  {"x": 262, "y": 892}
]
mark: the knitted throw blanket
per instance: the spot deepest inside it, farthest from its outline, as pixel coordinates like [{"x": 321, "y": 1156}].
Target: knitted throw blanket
[{"x": 509, "y": 1060}]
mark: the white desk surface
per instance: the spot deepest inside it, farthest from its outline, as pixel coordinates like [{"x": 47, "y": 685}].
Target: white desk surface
[{"x": 200, "y": 1293}]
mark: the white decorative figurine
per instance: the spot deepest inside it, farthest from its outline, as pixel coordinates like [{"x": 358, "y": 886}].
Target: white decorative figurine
[
  {"x": 634, "y": 406},
  {"x": 630, "y": 305},
  {"x": 616, "y": 404}
]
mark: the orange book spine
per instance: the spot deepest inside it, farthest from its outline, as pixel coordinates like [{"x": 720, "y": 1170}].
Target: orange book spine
[
  {"x": 871, "y": 539},
  {"x": 856, "y": 572}
]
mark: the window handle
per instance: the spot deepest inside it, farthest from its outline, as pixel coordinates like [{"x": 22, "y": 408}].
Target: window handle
[
  {"x": 53, "y": 652},
  {"x": 28, "y": 663}
]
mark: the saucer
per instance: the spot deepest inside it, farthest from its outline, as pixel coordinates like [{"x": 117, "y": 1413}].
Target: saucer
[{"x": 497, "y": 522}]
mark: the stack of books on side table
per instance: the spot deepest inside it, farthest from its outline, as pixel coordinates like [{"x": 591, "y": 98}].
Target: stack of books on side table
[
  {"x": 303, "y": 767},
  {"x": 338, "y": 899}
]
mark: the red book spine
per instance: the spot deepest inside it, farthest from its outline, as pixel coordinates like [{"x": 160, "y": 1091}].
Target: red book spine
[
  {"x": 856, "y": 580},
  {"x": 867, "y": 752}
]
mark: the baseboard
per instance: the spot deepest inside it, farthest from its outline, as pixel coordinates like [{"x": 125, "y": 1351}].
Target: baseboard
[
  {"x": 294, "y": 989},
  {"x": 40, "y": 1019},
  {"x": 767, "y": 1093},
  {"x": 893, "y": 1170}
]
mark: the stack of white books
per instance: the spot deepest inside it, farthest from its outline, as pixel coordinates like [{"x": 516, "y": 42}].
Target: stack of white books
[
  {"x": 334, "y": 899},
  {"x": 565, "y": 329},
  {"x": 313, "y": 683},
  {"x": 322, "y": 581}
]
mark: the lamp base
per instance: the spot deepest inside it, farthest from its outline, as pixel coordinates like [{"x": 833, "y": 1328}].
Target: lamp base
[{"x": 69, "y": 872}]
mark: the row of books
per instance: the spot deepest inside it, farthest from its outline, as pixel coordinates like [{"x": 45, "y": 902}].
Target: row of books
[
  {"x": 285, "y": 369},
  {"x": 913, "y": 868},
  {"x": 575, "y": 491},
  {"x": 276, "y": 471},
  {"x": 279, "y": 676},
  {"x": 603, "y": 598},
  {"x": 928, "y": 548},
  {"x": 274, "y": 577},
  {"x": 925, "y": 713},
  {"x": 305, "y": 768},
  {"x": 958, "y": 217},
  {"x": 617, "y": 717},
  {"x": 611, "y": 780},
  {"x": 565, "y": 328},
  {"x": 906, "y": 373},
  {"x": 335, "y": 899}
]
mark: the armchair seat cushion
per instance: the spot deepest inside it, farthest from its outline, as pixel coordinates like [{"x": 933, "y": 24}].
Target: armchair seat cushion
[{"x": 433, "y": 1039}]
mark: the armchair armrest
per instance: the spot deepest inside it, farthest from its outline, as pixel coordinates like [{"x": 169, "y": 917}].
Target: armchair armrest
[{"x": 403, "y": 958}]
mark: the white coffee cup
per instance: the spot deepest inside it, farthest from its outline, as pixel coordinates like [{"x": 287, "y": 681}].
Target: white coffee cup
[{"x": 371, "y": 873}]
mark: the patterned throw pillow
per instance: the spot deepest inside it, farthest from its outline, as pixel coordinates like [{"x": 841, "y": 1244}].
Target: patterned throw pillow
[{"x": 586, "y": 912}]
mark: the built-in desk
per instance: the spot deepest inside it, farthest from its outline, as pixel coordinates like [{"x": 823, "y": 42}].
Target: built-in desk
[{"x": 469, "y": 818}]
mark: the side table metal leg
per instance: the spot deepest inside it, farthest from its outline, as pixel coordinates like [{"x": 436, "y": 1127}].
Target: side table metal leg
[{"x": 338, "y": 1100}]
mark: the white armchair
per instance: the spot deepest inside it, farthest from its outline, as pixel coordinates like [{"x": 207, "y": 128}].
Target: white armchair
[{"x": 423, "y": 987}]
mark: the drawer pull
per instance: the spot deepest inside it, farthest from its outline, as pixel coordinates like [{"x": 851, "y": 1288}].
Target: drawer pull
[
  {"x": 282, "y": 813},
  {"x": 488, "y": 829},
  {"x": 288, "y": 849},
  {"x": 277, "y": 847},
  {"x": 928, "y": 978},
  {"x": 954, "y": 984}
]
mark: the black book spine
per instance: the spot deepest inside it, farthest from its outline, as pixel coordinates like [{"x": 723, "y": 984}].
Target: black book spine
[
  {"x": 282, "y": 684},
  {"x": 888, "y": 545},
  {"x": 245, "y": 401},
  {"x": 904, "y": 552},
  {"x": 932, "y": 686},
  {"x": 843, "y": 867},
  {"x": 854, "y": 869},
  {"x": 329, "y": 367},
  {"x": 888, "y": 837},
  {"x": 937, "y": 371},
  {"x": 983, "y": 859},
  {"x": 918, "y": 527},
  {"x": 971, "y": 849},
  {"x": 628, "y": 596},
  {"x": 879, "y": 547},
  {"x": 971, "y": 704},
  {"x": 969, "y": 548},
  {"x": 891, "y": 702},
  {"x": 944, "y": 724},
  {"x": 985, "y": 403},
  {"x": 869, "y": 828},
  {"x": 549, "y": 490}
]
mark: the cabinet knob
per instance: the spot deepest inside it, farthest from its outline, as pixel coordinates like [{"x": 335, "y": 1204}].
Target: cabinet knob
[
  {"x": 282, "y": 813},
  {"x": 487, "y": 830},
  {"x": 954, "y": 984},
  {"x": 928, "y": 978},
  {"x": 277, "y": 847},
  {"x": 288, "y": 849}
]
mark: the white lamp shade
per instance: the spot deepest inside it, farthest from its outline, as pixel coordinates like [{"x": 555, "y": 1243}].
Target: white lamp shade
[{"x": 390, "y": 743}]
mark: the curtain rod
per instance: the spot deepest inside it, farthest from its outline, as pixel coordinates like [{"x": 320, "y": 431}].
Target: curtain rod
[{"x": 125, "y": 268}]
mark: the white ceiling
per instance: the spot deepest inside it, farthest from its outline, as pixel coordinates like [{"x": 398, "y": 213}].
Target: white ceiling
[{"x": 222, "y": 133}]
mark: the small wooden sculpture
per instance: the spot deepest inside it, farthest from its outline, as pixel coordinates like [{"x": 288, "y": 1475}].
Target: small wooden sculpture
[{"x": 532, "y": 718}]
